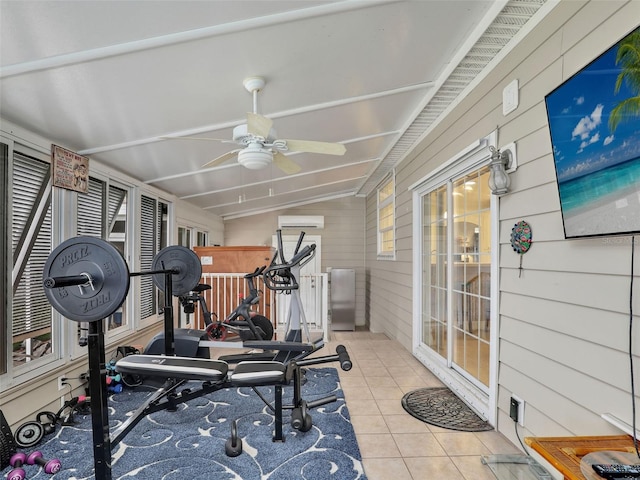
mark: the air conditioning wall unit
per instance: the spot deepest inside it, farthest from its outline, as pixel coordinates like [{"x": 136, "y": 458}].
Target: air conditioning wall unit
[{"x": 301, "y": 221}]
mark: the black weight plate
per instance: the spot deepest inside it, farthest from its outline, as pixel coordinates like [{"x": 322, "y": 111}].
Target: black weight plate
[
  {"x": 185, "y": 262},
  {"x": 29, "y": 434},
  {"x": 107, "y": 268}
]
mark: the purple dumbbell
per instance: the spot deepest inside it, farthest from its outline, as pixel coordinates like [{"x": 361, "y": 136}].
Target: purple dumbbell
[
  {"x": 17, "y": 461},
  {"x": 49, "y": 466}
]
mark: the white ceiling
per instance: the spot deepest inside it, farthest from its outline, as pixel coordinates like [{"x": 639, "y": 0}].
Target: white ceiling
[{"x": 110, "y": 79}]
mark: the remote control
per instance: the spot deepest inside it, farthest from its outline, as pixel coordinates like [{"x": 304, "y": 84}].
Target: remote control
[{"x": 608, "y": 470}]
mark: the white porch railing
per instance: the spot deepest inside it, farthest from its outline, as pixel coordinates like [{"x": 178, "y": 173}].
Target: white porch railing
[{"x": 228, "y": 288}]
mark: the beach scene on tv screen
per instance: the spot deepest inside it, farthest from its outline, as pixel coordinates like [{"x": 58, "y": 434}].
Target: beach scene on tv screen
[{"x": 594, "y": 119}]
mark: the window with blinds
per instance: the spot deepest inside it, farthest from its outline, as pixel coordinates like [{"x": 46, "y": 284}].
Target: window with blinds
[
  {"x": 153, "y": 237},
  {"x": 102, "y": 214},
  {"x": 386, "y": 218},
  {"x": 31, "y": 237}
]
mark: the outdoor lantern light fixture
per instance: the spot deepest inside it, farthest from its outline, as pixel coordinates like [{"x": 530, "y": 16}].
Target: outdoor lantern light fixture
[{"x": 501, "y": 164}]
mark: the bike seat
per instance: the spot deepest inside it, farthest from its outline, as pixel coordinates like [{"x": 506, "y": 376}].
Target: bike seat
[{"x": 201, "y": 287}]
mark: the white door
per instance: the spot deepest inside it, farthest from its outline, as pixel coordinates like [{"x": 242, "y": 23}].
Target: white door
[{"x": 310, "y": 294}]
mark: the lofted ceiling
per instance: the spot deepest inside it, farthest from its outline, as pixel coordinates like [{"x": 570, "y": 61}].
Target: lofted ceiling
[{"x": 130, "y": 83}]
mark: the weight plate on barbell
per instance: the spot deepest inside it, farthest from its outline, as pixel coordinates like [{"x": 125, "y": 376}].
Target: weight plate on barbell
[
  {"x": 185, "y": 262},
  {"x": 97, "y": 259}
]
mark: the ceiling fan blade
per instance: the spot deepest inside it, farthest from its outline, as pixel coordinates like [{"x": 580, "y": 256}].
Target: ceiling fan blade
[
  {"x": 221, "y": 159},
  {"x": 208, "y": 139},
  {"x": 316, "y": 147},
  {"x": 285, "y": 164},
  {"x": 258, "y": 125}
]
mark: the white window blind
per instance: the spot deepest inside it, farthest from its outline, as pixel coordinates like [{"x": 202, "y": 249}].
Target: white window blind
[
  {"x": 31, "y": 232},
  {"x": 147, "y": 252}
]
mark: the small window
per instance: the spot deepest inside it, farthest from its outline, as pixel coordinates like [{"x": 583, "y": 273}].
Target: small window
[
  {"x": 202, "y": 238},
  {"x": 386, "y": 218}
]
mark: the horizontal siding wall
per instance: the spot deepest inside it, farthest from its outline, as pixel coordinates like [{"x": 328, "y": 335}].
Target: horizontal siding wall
[
  {"x": 342, "y": 237},
  {"x": 390, "y": 289},
  {"x": 564, "y": 319}
]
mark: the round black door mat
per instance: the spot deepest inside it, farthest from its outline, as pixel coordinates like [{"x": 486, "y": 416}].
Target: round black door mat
[{"x": 441, "y": 407}]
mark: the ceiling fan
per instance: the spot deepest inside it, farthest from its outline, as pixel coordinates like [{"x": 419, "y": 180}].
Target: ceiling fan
[{"x": 260, "y": 145}]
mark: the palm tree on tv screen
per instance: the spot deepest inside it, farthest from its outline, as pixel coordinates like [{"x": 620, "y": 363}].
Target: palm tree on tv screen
[{"x": 628, "y": 57}]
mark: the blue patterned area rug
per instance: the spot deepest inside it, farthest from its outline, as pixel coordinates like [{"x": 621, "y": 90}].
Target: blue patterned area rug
[{"x": 190, "y": 443}]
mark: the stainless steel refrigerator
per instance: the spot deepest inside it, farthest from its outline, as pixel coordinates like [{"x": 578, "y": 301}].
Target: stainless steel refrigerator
[{"x": 343, "y": 298}]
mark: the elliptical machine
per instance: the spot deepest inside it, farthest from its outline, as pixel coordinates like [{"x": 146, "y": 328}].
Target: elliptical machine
[{"x": 283, "y": 278}]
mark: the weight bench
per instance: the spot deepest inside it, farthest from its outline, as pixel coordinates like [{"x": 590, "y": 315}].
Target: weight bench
[
  {"x": 216, "y": 375},
  {"x": 86, "y": 279}
]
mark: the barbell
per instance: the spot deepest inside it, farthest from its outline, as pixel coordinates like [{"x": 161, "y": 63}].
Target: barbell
[{"x": 87, "y": 279}]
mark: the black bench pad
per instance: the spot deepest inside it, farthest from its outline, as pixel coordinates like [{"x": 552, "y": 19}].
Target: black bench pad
[
  {"x": 173, "y": 367},
  {"x": 251, "y": 374}
]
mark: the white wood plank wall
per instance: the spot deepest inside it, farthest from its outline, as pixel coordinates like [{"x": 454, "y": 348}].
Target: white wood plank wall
[{"x": 563, "y": 323}]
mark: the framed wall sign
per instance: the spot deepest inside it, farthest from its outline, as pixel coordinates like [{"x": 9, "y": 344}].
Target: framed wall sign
[{"x": 69, "y": 170}]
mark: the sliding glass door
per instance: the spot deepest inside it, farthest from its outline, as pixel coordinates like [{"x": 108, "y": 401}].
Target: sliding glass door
[
  {"x": 457, "y": 279},
  {"x": 455, "y": 249}
]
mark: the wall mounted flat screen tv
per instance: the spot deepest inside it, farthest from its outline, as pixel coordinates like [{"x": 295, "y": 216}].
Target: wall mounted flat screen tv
[{"x": 594, "y": 121}]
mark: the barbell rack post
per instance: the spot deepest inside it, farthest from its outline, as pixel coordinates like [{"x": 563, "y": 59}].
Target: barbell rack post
[
  {"x": 99, "y": 403},
  {"x": 169, "y": 336}
]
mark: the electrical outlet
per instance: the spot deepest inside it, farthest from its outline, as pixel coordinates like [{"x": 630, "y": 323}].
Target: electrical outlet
[
  {"x": 62, "y": 382},
  {"x": 516, "y": 410}
]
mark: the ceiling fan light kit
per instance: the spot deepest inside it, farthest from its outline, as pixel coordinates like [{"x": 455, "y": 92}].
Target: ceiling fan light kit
[{"x": 254, "y": 157}]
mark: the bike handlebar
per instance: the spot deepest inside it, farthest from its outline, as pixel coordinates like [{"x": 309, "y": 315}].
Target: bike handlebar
[
  {"x": 302, "y": 254},
  {"x": 278, "y": 277},
  {"x": 299, "y": 244},
  {"x": 258, "y": 271}
]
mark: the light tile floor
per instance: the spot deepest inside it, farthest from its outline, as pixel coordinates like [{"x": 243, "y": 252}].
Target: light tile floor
[{"x": 395, "y": 445}]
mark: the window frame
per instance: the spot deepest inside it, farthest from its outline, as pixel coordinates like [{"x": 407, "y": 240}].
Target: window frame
[
  {"x": 4, "y": 251},
  {"x": 40, "y": 366},
  {"x": 388, "y": 201}
]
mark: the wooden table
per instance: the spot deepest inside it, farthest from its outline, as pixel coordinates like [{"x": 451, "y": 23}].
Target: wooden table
[{"x": 566, "y": 453}]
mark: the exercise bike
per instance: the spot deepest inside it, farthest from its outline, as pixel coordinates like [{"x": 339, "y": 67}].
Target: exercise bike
[
  {"x": 243, "y": 321},
  {"x": 247, "y": 324}
]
